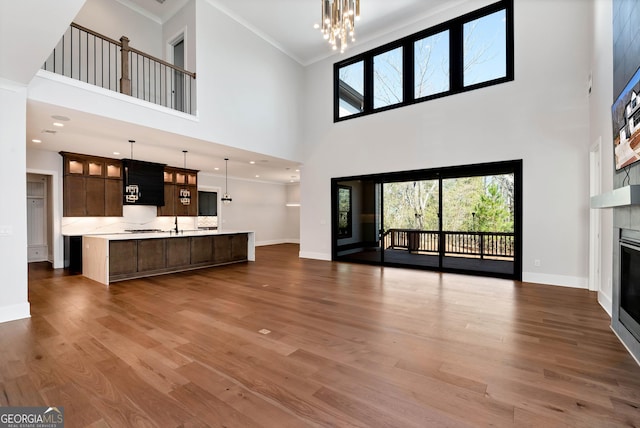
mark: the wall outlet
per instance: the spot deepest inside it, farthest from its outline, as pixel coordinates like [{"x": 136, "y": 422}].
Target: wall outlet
[{"x": 536, "y": 262}]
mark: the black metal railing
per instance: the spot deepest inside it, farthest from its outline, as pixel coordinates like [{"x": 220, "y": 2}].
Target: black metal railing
[
  {"x": 93, "y": 58},
  {"x": 472, "y": 244}
]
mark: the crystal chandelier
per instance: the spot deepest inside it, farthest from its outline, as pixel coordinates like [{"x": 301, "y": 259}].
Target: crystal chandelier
[{"x": 338, "y": 21}]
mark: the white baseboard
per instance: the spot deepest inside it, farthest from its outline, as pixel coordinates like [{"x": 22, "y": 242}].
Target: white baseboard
[
  {"x": 605, "y": 302},
  {"x": 15, "y": 312},
  {"x": 316, "y": 256},
  {"x": 277, "y": 241},
  {"x": 559, "y": 280}
]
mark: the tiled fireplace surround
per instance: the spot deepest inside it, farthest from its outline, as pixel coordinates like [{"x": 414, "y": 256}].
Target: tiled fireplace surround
[{"x": 625, "y": 217}]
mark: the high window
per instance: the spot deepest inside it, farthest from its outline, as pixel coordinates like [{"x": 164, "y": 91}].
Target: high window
[{"x": 469, "y": 52}]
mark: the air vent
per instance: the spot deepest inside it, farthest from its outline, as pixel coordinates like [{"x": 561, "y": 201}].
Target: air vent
[
  {"x": 49, "y": 131},
  {"x": 160, "y": 1}
]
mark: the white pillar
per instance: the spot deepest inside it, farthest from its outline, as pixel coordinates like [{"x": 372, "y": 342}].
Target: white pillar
[{"x": 14, "y": 302}]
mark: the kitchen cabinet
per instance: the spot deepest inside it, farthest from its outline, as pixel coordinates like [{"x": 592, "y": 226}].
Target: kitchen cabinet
[
  {"x": 180, "y": 183},
  {"x": 238, "y": 247},
  {"x": 201, "y": 249},
  {"x": 92, "y": 186},
  {"x": 123, "y": 257},
  {"x": 151, "y": 254},
  {"x": 178, "y": 252}
]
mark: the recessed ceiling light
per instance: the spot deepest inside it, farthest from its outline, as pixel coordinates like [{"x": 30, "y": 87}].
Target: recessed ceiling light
[
  {"x": 58, "y": 124},
  {"x": 59, "y": 117},
  {"x": 36, "y": 141},
  {"x": 116, "y": 153},
  {"x": 252, "y": 162},
  {"x": 216, "y": 169},
  {"x": 297, "y": 170},
  {"x": 257, "y": 176}
]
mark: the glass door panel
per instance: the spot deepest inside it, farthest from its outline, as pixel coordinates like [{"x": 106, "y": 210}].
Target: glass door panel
[
  {"x": 357, "y": 221},
  {"x": 478, "y": 224},
  {"x": 411, "y": 223}
]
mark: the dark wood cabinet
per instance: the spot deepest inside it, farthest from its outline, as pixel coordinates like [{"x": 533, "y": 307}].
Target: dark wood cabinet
[
  {"x": 74, "y": 196},
  {"x": 178, "y": 183},
  {"x": 178, "y": 252},
  {"x": 123, "y": 257},
  {"x": 168, "y": 209},
  {"x": 113, "y": 198},
  {"x": 135, "y": 258},
  {"x": 221, "y": 248},
  {"x": 94, "y": 196},
  {"x": 151, "y": 254},
  {"x": 92, "y": 186},
  {"x": 201, "y": 249},
  {"x": 239, "y": 247}
]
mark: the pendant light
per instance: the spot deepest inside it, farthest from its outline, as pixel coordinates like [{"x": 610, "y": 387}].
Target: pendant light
[
  {"x": 226, "y": 198},
  {"x": 131, "y": 190},
  {"x": 185, "y": 194}
]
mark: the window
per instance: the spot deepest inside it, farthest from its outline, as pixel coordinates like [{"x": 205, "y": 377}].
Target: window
[
  {"x": 344, "y": 212},
  {"x": 431, "y": 65},
  {"x": 485, "y": 48},
  {"x": 351, "y": 89},
  {"x": 387, "y": 78},
  {"x": 469, "y": 52}
]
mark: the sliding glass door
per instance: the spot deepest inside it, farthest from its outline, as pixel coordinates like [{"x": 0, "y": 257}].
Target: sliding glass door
[
  {"x": 459, "y": 219},
  {"x": 357, "y": 220}
]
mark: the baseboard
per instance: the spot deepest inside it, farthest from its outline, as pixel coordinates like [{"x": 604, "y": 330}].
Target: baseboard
[
  {"x": 315, "y": 256},
  {"x": 559, "y": 280},
  {"x": 277, "y": 241},
  {"x": 605, "y": 302},
  {"x": 15, "y": 312}
]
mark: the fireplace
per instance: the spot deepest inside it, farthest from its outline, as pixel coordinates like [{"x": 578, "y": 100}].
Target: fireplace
[
  {"x": 625, "y": 321},
  {"x": 629, "y": 313}
]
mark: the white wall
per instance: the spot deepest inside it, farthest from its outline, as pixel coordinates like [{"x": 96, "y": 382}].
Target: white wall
[
  {"x": 540, "y": 117},
  {"x": 183, "y": 22},
  {"x": 113, "y": 19},
  {"x": 256, "y": 206},
  {"x": 601, "y": 129},
  {"x": 249, "y": 92},
  {"x": 13, "y": 188},
  {"x": 28, "y": 32},
  {"x": 50, "y": 164}
]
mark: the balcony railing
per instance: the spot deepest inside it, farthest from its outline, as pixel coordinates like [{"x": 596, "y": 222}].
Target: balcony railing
[
  {"x": 495, "y": 245},
  {"x": 93, "y": 58}
]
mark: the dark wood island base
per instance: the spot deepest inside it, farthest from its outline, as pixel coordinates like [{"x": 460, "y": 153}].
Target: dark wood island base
[{"x": 111, "y": 258}]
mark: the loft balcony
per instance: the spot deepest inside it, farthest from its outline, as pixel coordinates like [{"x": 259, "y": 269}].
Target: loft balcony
[{"x": 93, "y": 58}]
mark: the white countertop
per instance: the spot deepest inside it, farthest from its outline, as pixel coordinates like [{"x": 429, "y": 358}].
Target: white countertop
[{"x": 170, "y": 234}]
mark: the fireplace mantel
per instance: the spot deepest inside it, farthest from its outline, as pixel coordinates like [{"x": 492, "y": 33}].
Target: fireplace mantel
[{"x": 621, "y": 197}]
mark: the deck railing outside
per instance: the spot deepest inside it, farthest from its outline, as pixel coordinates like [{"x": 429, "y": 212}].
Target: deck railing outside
[
  {"x": 473, "y": 244},
  {"x": 93, "y": 58}
]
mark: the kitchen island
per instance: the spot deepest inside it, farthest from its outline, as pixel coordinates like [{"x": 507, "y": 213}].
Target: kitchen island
[{"x": 121, "y": 256}]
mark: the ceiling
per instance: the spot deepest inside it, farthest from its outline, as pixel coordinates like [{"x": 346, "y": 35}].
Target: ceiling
[{"x": 286, "y": 24}]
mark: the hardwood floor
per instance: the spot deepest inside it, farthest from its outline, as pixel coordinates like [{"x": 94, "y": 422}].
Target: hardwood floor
[{"x": 350, "y": 345}]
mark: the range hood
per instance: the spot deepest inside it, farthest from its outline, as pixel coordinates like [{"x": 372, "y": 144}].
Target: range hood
[{"x": 143, "y": 183}]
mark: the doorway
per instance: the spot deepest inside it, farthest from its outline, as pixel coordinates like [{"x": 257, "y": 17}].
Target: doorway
[
  {"x": 39, "y": 219},
  {"x": 459, "y": 219},
  {"x": 178, "y": 77}
]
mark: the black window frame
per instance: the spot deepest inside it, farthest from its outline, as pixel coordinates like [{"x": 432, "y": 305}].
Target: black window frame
[{"x": 456, "y": 62}]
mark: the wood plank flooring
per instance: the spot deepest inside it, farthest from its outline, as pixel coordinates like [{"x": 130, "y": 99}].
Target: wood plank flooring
[{"x": 350, "y": 345}]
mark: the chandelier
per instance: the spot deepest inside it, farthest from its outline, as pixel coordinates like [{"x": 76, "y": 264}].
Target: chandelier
[
  {"x": 226, "y": 198},
  {"x": 338, "y": 21}
]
